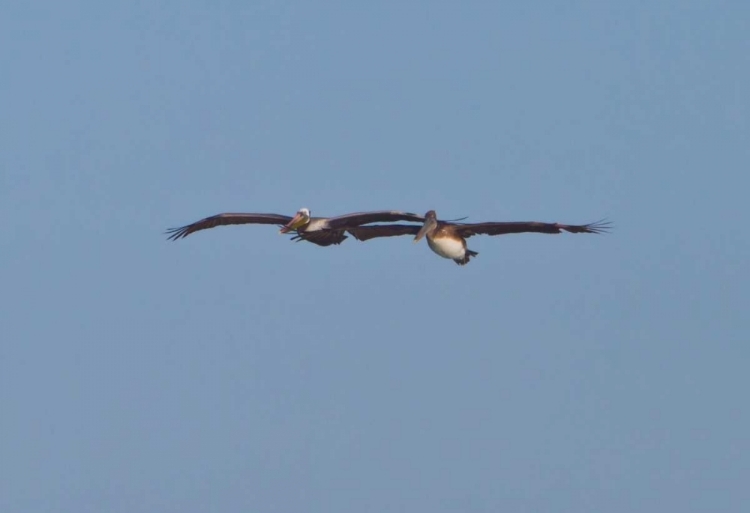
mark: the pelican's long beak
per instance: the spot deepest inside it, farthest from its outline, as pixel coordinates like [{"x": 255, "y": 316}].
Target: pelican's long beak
[
  {"x": 297, "y": 221},
  {"x": 429, "y": 225}
]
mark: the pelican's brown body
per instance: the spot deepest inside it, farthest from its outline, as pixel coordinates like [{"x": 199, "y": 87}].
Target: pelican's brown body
[{"x": 443, "y": 239}]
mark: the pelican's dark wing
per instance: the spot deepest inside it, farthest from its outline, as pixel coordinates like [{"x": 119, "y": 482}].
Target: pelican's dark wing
[
  {"x": 467, "y": 230},
  {"x": 383, "y": 230},
  {"x": 377, "y": 216},
  {"x": 227, "y": 218}
]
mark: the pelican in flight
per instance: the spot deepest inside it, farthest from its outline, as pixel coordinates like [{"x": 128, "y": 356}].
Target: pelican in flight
[
  {"x": 448, "y": 239},
  {"x": 322, "y": 231}
]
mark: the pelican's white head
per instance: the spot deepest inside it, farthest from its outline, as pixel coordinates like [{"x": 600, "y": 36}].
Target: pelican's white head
[{"x": 300, "y": 219}]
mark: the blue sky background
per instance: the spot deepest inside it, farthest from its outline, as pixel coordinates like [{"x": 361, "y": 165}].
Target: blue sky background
[{"x": 237, "y": 371}]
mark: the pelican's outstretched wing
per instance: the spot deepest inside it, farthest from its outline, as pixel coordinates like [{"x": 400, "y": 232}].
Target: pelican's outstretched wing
[
  {"x": 377, "y": 216},
  {"x": 467, "y": 230},
  {"x": 224, "y": 219},
  {"x": 383, "y": 230}
]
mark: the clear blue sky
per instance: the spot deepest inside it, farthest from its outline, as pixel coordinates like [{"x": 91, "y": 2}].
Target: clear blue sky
[{"x": 237, "y": 371}]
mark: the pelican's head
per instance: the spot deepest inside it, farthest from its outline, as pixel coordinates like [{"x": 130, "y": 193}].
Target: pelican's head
[
  {"x": 300, "y": 219},
  {"x": 430, "y": 223}
]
